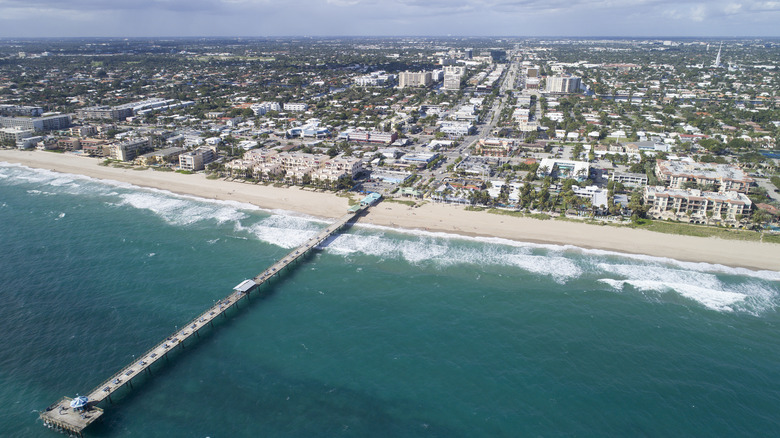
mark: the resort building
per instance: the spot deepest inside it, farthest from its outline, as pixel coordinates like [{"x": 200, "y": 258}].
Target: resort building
[
  {"x": 724, "y": 177},
  {"x": 695, "y": 206}
]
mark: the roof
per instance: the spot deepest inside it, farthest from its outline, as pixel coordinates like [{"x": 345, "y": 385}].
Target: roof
[{"x": 245, "y": 286}]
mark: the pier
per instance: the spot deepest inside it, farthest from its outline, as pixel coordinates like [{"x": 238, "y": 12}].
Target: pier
[{"x": 72, "y": 416}]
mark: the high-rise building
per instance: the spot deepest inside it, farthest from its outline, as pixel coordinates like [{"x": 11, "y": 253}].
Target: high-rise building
[
  {"x": 415, "y": 79},
  {"x": 563, "y": 84},
  {"x": 452, "y": 76}
]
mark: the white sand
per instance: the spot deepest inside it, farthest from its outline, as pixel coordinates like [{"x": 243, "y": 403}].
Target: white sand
[{"x": 431, "y": 217}]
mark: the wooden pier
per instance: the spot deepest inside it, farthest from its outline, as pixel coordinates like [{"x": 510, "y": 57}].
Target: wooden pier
[{"x": 62, "y": 417}]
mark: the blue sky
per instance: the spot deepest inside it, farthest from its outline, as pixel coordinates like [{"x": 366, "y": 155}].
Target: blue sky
[{"x": 137, "y": 18}]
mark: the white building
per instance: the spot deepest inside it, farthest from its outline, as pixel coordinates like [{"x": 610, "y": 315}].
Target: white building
[
  {"x": 290, "y": 106},
  {"x": 263, "y": 107}
]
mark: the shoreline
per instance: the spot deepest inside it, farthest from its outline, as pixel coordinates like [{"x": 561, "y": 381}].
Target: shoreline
[{"x": 429, "y": 217}]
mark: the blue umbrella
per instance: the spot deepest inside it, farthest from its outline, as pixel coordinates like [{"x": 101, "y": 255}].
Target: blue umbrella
[{"x": 79, "y": 402}]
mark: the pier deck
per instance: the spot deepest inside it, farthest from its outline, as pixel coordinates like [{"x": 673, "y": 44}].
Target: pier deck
[{"x": 61, "y": 416}]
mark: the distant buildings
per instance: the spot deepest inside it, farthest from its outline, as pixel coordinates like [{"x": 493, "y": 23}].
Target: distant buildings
[{"x": 415, "y": 79}]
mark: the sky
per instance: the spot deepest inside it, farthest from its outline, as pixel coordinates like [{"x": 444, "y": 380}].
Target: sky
[{"x": 156, "y": 18}]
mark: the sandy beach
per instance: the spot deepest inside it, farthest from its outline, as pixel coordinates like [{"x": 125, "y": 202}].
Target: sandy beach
[{"x": 430, "y": 216}]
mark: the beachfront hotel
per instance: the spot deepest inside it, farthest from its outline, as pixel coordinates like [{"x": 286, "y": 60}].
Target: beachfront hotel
[
  {"x": 725, "y": 177},
  {"x": 694, "y": 205}
]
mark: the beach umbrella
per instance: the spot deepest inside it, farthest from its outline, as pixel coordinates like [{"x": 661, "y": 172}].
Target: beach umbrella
[{"x": 79, "y": 402}]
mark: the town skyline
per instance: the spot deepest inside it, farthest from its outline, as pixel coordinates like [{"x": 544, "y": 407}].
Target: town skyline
[{"x": 460, "y": 18}]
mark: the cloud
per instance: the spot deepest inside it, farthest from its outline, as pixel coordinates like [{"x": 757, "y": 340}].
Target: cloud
[{"x": 388, "y": 17}]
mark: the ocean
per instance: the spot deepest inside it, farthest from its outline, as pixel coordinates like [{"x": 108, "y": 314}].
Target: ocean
[{"x": 382, "y": 332}]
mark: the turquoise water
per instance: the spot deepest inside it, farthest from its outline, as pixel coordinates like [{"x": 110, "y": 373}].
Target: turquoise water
[{"x": 381, "y": 333}]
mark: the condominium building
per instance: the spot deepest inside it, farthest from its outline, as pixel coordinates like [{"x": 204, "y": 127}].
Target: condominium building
[
  {"x": 197, "y": 159},
  {"x": 290, "y": 106},
  {"x": 15, "y": 135},
  {"x": 104, "y": 112},
  {"x": 725, "y": 177},
  {"x": 20, "y": 110},
  {"x": 695, "y": 205},
  {"x": 563, "y": 84},
  {"x": 128, "y": 150},
  {"x": 452, "y": 77},
  {"x": 629, "y": 179},
  {"x": 45, "y": 123},
  {"x": 415, "y": 79}
]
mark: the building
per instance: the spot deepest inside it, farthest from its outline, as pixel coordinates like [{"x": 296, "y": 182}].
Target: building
[
  {"x": 563, "y": 84},
  {"x": 104, "y": 112},
  {"x": 130, "y": 149},
  {"x": 456, "y": 129},
  {"x": 496, "y": 147},
  {"x": 629, "y": 179},
  {"x": 564, "y": 169},
  {"x": 20, "y": 110},
  {"x": 163, "y": 156},
  {"x": 45, "y": 123},
  {"x": 452, "y": 77},
  {"x": 724, "y": 177},
  {"x": 197, "y": 159},
  {"x": 298, "y": 107},
  {"x": 368, "y": 136},
  {"x": 14, "y": 135},
  {"x": 415, "y": 79},
  {"x": 375, "y": 79},
  {"x": 262, "y": 108},
  {"x": 693, "y": 205},
  {"x": 598, "y": 197}
]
